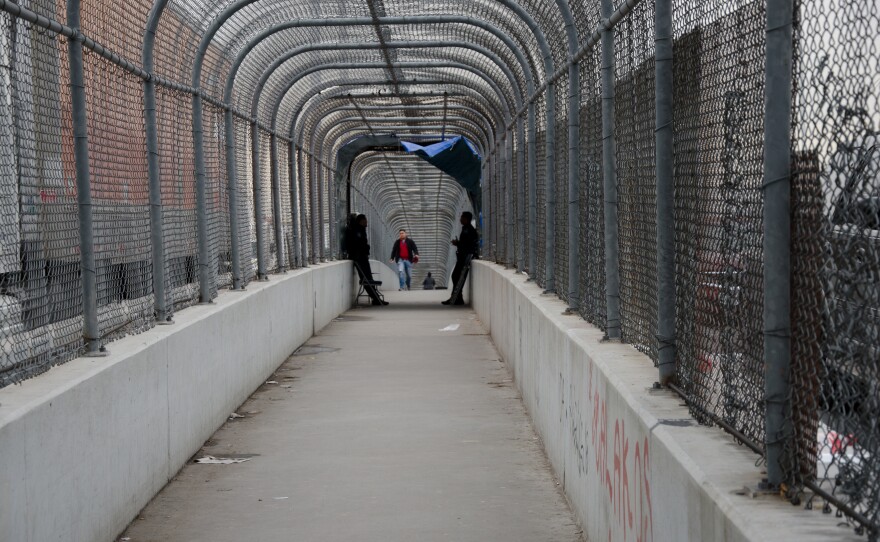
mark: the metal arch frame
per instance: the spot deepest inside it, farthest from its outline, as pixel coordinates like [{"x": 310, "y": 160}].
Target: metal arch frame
[
  {"x": 412, "y": 45},
  {"x": 368, "y": 172},
  {"x": 316, "y": 100},
  {"x": 489, "y": 80},
  {"x": 366, "y": 166},
  {"x": 271, "y": 69},
  {"x": 401, "y": 128},
  {"x": 457, "y": 65},
  {"x": 497, "y": 33},
  {"x": 353, "y": 65},
  {"x": 336, "y": 191},
  {"x": 149, "y": 40},
  {"x": 298, "y": 185}
]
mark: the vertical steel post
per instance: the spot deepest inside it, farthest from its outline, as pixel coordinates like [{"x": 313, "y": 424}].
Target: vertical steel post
[
  {"x": 304, "y": 239},
  {"x": 574, "y": 163},
  {"x": 609, "y": 166},
  {"x": 510, "y": 227},
  {"x": 322, "y": 257},
  {"x": 232, "y": 189},
  {"x": 259, "y": 215},
  {"x": 665, "y": 190},
  {"x": 550, "y": 192},
  {"x": 91, "y": 328},
  {"x": 777, "y": 234},
  {"x": 276, "y": 203},
  {"x": 532, "y": 205},
  {"x": 295, "y": 254},
  {"x": 157, "y": 244},
  {"x": 201, "y": 201},
  {"x": 314, "y": 245},
  {"x": 520, "y": 197}
]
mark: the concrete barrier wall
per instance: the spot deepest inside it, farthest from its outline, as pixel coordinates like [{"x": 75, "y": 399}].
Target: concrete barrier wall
[
  {"x": 633, "y": 463},
  {"x": 86, "y": 445}
]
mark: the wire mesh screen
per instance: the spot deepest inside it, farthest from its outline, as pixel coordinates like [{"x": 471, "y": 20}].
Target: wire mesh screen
[
  {"x": 40, "y": 294},
  {"x": 718, "y": 101},
  {"x": 836, "y": 253},
  {"x": 286, "y": 213},
  {"x": 217, "y": 198},
  {"x": 120, "y": 197},
  {"x": 245, "y": 221},
  {"x": 561, "y": 245},
  {"x": 592, "y": 207},
  {"x": 178, "y": 181},
  {"x": 267, "y": 229},
  {"x": 637, "y": 197},
  {"x": 540, "y": 191}
]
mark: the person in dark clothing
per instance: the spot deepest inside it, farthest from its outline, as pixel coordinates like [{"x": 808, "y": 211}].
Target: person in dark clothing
[
  {"x": 404, "y": 253},
  {"x": 468, "y": 244},
  {"x": 359, "y": 251},
  {"x": 428, "y": 283}
]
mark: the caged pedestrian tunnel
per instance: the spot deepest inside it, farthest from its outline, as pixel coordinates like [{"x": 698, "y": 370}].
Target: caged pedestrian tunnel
[{"x": 678, "y": 204}]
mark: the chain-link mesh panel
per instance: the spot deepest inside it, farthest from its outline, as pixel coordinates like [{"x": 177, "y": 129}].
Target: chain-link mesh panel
[
  {"x": 561, "y": 246},
  {"x": 718, "y": 100},
  {"x": 835, "y": 388},
  {"x": 120, "y": 197},
  {"x": 267, "y": 228},
  {"x": 40, "y": 288},
  {"x": 245, "y": 221},
  {"x": 178, "y": 181},
  {"x": 217, "y": 198},
  {"x": 286, "y": 214},
  {"x": 592, "y": 208},
  {"x": 540, "y": 190},
  {"x": 637, "y": 196}
]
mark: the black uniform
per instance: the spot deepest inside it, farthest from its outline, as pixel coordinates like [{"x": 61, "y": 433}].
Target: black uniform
[
  {"x": 468, "y": 245},
  {"x": 359, "y": 251}
]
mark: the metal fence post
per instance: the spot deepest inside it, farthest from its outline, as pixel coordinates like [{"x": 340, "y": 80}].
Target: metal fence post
[
  {"x": 609, "y": 167},
  {"x": 295, "y": 253},
  {"x": 510, "y": 248},
  {"x": 550, "y": 191},
  {"x": 777, "y": 234},
  {"x": 259, "y": 215},
  {"x": 276, "y": 203},
  {"x": 520, "y": 197},
  {"x": 532, "y": 204},
  {"x": 157, "y": 244},
  {"x": 201, "y": 200},
  {"x": 574, "y": 164},
  {"x": 304, "y": 239},
  {"x": 234, "y": 226},
  {"x": 665, "y": 190},
  {"x": 91, "y": 328},
  {"x": 322, "y": 257}
]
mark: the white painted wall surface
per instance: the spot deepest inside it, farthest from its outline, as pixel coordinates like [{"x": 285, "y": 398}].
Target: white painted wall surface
[
  {"x": 86, "y": 445},
  {"x": 633, "y": 463}
]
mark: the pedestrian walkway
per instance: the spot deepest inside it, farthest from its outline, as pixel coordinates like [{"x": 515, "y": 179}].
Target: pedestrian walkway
[{"x": 395, "y": 423}]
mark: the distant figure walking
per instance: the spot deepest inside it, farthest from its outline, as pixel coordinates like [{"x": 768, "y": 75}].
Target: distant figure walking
[
  {"x": 404, "y": 253},
  {"x": 428, "y": 283}
]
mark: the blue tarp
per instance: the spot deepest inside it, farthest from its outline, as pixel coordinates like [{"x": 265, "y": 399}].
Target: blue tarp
[{"x": 456, "y": 157}]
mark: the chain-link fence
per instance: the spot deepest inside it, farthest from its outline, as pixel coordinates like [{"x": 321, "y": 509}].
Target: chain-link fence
[{"x": 128, "y": 195}]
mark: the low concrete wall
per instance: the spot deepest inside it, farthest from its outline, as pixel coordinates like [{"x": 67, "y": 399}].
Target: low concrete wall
[
  {"x": 633, "y": 463},
  {"x": 86, "y": 445}
]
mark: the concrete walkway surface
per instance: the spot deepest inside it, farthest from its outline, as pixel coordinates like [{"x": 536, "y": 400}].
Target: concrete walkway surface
[{"x": 395, "y": 423}]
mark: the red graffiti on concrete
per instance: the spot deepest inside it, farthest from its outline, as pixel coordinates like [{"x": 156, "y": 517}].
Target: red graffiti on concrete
[{"x": 625, "y": 476}]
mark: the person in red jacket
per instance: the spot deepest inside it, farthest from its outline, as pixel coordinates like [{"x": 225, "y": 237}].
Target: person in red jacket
[{"x": 404, "y": 253}]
